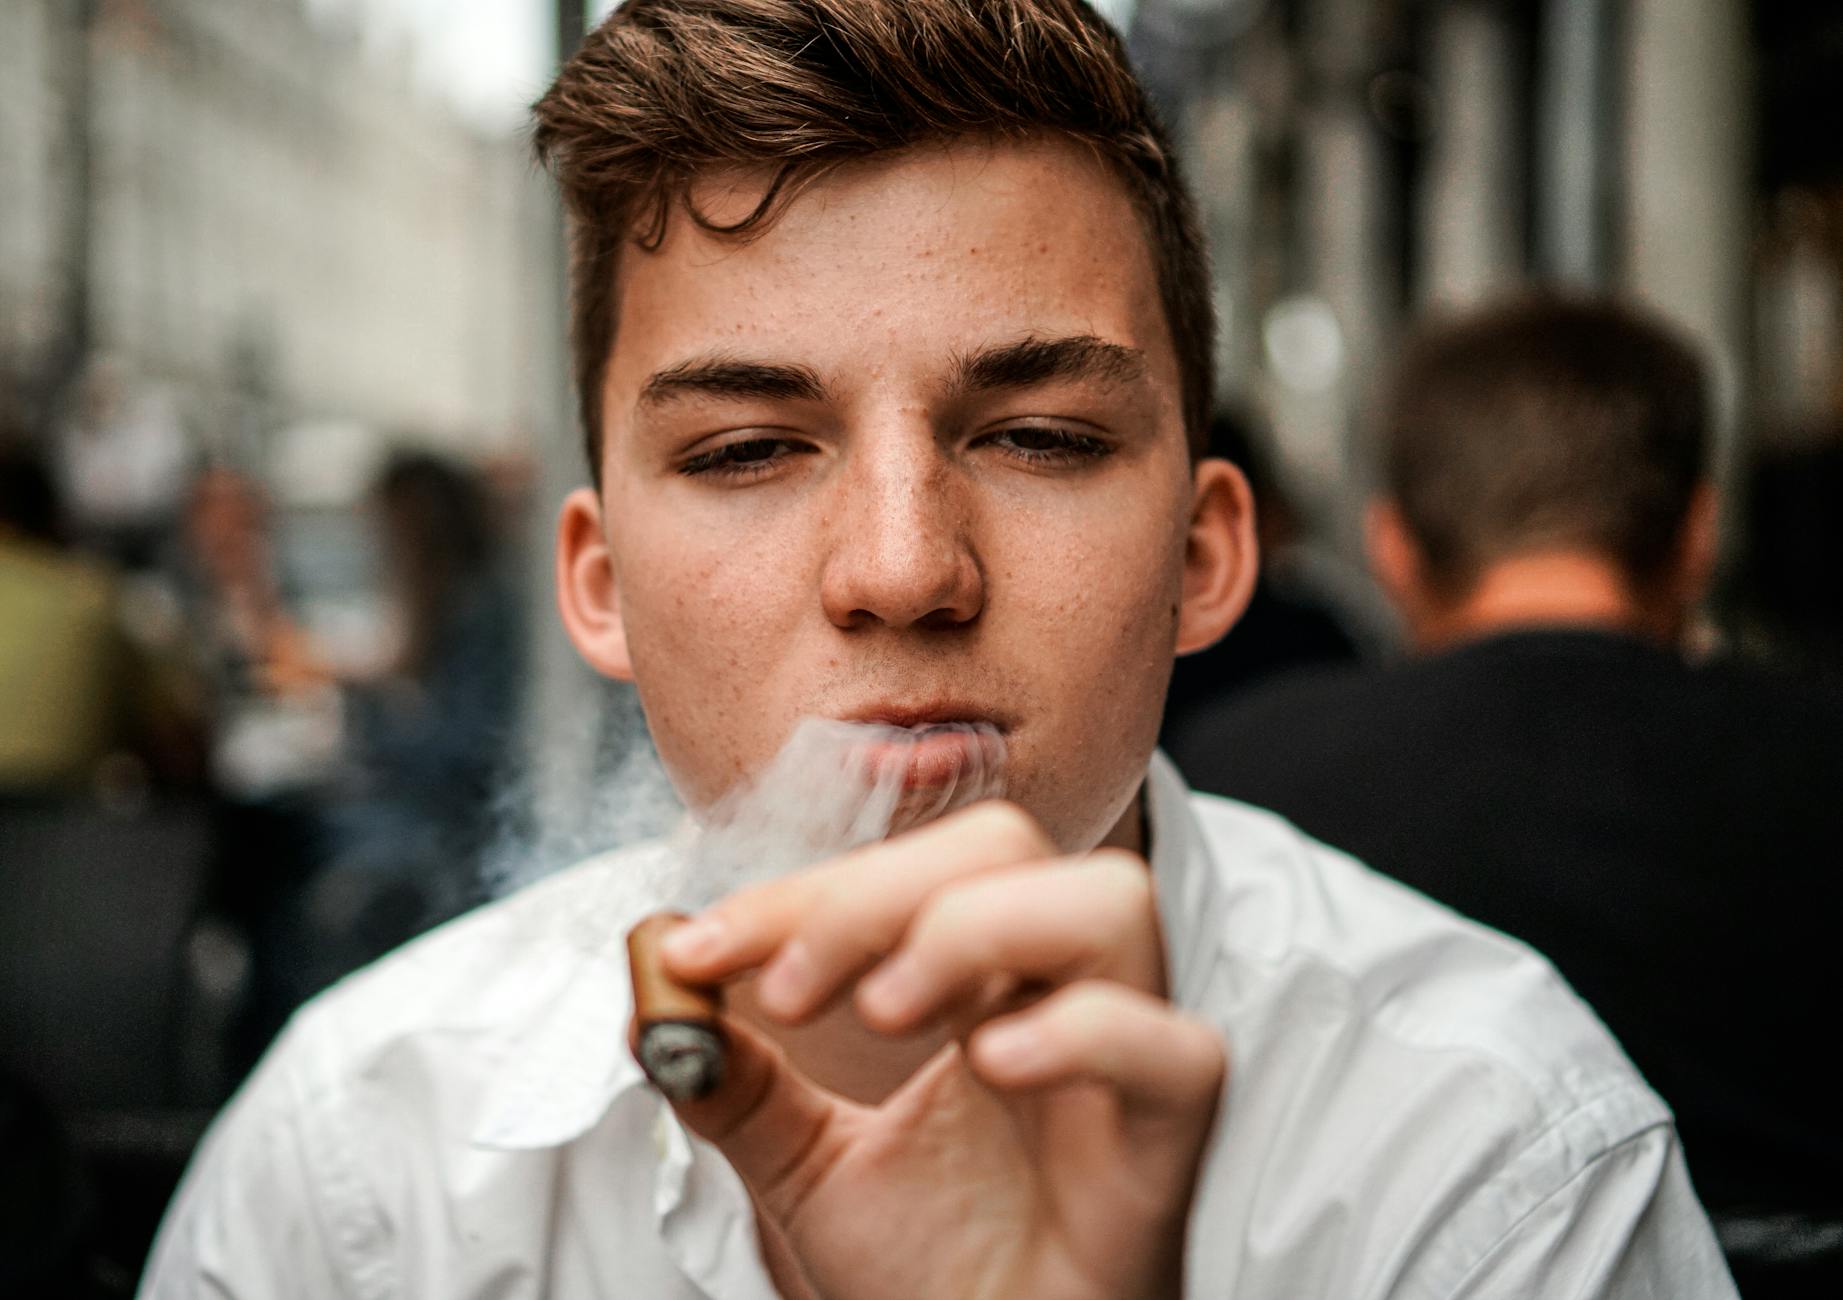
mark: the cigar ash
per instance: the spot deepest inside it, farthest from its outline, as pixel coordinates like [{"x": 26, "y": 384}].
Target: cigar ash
[{"x": 684, "y": 1059}]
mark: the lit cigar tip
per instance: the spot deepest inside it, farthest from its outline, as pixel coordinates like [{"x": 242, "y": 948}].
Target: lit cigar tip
[{"x": 685, "y": 1062}]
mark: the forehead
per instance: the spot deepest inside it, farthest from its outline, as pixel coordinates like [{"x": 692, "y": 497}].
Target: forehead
[{"x": 890, "y": 266}]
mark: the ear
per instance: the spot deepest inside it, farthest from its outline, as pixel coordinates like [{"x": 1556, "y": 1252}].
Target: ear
[
  {"x": 1699, "y": 544},
  {"x": 1221, "y": 558},
  {"x": 588, "y": 595},
  {"x": 1395, "y": 557}
]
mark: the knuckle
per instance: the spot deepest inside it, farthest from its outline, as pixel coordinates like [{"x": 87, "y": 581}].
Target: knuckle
[
  {"x": 1009, "y": 828},
  {"x": 1128, "y": 900},
  {"x": 832, "y": 918},
  {"x": 1204, "y": 1046},
  {"x": 826, "y": 899},
  {"x": 952, "y": 922},
  {"x": 1086, "y": 1011},
  {"x": 740, "y": 915},
  {"x": 1125, "y": 874},
  {"x": 951, "y": 913}
]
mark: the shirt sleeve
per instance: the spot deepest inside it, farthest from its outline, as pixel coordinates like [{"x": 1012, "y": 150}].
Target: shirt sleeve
[
  {"x": 247, "y": 1221},
  {"x": 1628, "y": 1226}
]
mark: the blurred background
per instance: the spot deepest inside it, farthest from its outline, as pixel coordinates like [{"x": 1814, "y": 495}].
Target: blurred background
[{"x": 284, "y": 416}]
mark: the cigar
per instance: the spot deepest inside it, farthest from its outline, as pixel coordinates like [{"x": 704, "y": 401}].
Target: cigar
[{"x": 680, "y": 1027}]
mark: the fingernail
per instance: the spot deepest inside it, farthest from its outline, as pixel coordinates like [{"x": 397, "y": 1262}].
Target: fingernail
[
  {"x": 788, "y": 981},
  {"x": 698, "y": 939},
  {"x": 1011, "y": 1047},
  {"x": 891, "y": 990}
]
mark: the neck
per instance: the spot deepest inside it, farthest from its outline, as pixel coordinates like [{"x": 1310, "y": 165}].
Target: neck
[{"x": 1568, "y": 589}]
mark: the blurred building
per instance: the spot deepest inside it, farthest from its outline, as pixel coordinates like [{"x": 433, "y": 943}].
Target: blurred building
[
  {"x": 1362, "y": 162},
  {"x": 254, "y": 215}
]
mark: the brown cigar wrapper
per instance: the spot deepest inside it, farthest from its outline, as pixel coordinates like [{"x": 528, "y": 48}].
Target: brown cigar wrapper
[
  {"x": 678, "y": 1027},
  {"x": 657, "y": 996}
]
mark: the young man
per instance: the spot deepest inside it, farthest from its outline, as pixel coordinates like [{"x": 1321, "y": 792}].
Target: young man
[{"x": 893, "y": 342}]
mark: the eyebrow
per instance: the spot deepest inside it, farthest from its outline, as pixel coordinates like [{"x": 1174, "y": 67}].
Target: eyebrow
[
  {"x": 1035, "y": 360},
  {"x": 726, "y": 376},
  {"x": 1020, "y": 364}
]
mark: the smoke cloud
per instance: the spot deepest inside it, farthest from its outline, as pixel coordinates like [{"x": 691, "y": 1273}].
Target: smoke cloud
[{"x": 833, "y": 786}]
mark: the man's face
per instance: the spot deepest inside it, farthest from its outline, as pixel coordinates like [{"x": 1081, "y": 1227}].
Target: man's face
[{"x": 913, "y": 455}]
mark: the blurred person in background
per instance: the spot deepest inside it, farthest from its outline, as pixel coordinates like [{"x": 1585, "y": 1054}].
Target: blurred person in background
[
  {"x": 102, "y": 747},
  {"x": 392, "y": 843},
  {"x": 1288, "y": 624},
  {"x": 230, "y": 540},
  {"x": 85, "y": 706},
  {"x": 429, "y": 735},
  {"x": 275, "y": 740},
  {"x": 1551, "y": 765}
]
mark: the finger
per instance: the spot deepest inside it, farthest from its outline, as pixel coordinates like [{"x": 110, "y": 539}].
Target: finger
[
  {"x": 1167, "y": 1068},
  {"x": 823, "y": 926},
  {"x": 778, "y": 1130},
  {"x": 1081, "y": 917},
  {"x": 872, "y": 903}
]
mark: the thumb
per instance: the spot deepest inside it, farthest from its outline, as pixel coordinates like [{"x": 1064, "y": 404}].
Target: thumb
[{"x": 777, "y": 1129}]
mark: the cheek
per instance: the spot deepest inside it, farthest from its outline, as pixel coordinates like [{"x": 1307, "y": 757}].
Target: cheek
[
  {"x": 1106, "y": 590},
  {"x": 699, "y": 586},
  {"x": 1129, "y": 640},
  {"x": 706, "y": 628},
  {"x": 1096, "y": 639}
]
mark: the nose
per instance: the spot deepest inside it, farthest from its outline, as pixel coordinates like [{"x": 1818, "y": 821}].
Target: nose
[{"x": 901, "y": 554}]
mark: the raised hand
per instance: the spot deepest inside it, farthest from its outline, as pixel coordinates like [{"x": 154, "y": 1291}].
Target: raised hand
[{"x": 1049, "y": 1149}]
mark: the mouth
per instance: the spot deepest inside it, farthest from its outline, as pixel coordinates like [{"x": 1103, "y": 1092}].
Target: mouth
[
  {"x": 931, "y": 746},
  {"x": 920, "y": 717}
]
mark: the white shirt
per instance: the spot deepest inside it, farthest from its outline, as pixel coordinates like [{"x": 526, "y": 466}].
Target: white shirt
[{"x": 1416, "y": 1107}]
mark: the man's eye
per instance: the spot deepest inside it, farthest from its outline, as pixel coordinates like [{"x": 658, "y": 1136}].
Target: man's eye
[
  {"x": 743, "y": 459},
  {"x": 1042, "y": 445}
]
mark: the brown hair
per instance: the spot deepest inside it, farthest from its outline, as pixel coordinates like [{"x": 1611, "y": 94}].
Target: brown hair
[
  {"x": 1545, "y": 422},
  {"x": 666, "y": 90}
]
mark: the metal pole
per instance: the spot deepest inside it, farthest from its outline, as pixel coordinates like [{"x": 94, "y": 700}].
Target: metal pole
[
  {"x": 561, "y": 738},
  {"x": 69, "y": 352},
  {"x": 1685, "y": 245},
  {"x": 572, "y": 26},
  {"x": 1576, "y": 137}
]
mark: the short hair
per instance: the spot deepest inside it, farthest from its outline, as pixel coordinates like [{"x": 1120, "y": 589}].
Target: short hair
[
  {"x": 1546, "y": 422},
  {"x": 664, "y": 91}
]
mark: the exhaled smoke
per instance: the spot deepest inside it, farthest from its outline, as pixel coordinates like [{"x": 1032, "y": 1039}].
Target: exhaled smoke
[
  {"x": 833, "y": 787},
  {"x": 599, "y": 787}
]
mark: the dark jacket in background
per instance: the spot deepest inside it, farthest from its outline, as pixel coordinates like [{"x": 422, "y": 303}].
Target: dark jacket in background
[
  {"x": 1285, "y": 628},
  {"x": 1671, "y": 837}
]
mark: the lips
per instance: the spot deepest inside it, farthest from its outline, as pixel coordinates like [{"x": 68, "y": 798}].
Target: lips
[
  {"x": 930, "y": 757},
  {"x": 915, "y": 717},
  {"x": 931, "y": 746}
]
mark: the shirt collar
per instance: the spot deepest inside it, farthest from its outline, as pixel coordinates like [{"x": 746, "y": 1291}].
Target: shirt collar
[
  {"x": 563, "y": 1059},
  {"x": 566, "y": 1061},
  {"x": 1189, "y": 894}
]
